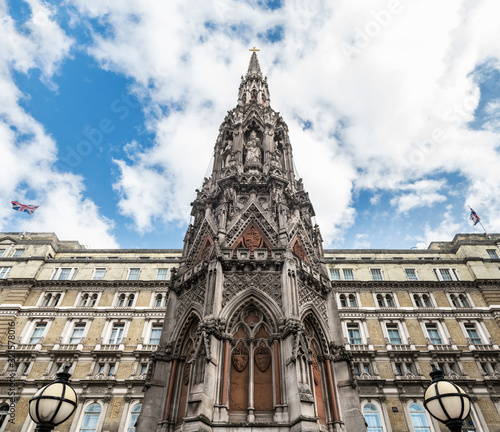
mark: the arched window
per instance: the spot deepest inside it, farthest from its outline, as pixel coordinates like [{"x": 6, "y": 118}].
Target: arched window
[
  {"x": 91, "y": 418},
  {"x": 418, "y": 418},
  {"x": 389, "y": 300},
  {"x": 85, "y": 300},
  {"x": 426, "y": 300},
  {"x": 93, "y": 301},
  {"x": 352, "y": 300},
  {"x": 136, "y": 410},
  {"x": 47, "y": 300},
  {"x": 158, "y": 301},
  {"x": 372, "y": 417},
  {"x": 380, "y": 300},
  {"x": 418, "y": 303},
  {"x": 4, "y": 412},
  {"x": 56, "y": 299},
  {"x": 463, "y": 301},
  {"x": 130, "y": 301},
  {"x": 121, "y": 300},
  {"x": 343, "y": 302}
]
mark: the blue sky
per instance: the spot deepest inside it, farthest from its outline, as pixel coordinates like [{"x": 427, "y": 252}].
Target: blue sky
[{"x": 110, "y": 111}]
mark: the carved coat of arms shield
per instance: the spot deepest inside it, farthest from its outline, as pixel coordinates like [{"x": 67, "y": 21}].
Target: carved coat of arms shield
[
  {"x": 262, "y": 358},
  {"x": 252, "y": 238},
  {"x": 240, "y": 358}
]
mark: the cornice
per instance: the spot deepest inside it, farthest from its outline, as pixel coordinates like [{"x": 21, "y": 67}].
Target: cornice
[
  {"x": 381, "y": 286},
  {"x": 98, "y": 285}
]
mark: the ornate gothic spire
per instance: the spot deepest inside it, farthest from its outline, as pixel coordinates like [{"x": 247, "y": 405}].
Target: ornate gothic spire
[{"x": 253, "y": 184}]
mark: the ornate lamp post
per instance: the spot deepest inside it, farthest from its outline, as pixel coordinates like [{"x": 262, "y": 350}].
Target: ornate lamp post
[
  {"x": 53, "y": 404},
  {"x": 446, "y": 401}
]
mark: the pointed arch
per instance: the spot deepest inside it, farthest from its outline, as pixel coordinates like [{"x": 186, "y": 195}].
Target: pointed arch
[
  {"x": 260, "y": 300},
  {"x": 184, "y": 325},
  {"x": 185, "y": 349},
  {"x": 318, "y": 347},
  {"x": 310, "y": 315}
]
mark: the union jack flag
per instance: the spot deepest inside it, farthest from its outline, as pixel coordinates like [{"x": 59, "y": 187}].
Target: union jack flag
[
  {"x": 474, "y": 217},
  {"x": 27, "y": 208}
]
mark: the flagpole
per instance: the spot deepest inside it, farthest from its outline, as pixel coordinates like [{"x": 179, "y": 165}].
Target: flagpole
[{"x": 479, "y": 221}]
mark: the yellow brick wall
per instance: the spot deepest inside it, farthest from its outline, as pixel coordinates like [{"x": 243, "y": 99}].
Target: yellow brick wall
[
  {"x": 55, "y": 330},
  {"x": 385, "y": 370},
  {"x": 397, "y": 419},
  {"x": 471, "y": 369},
  {"x": 22, "y": 407},
  {"x": 33, "y": 298},
  {"x": 404, "y": 299},
  {"x": 366, "y": 299},
  {"x": 477, "y": 299},
  {"x": 82, "y": 369},
  {"x": 415, "y": 332},
  {"x": 426, "y": 368},
  {"x": 113, "y": 416},
  {"x": 106, "y": 298},
  {"x": 69, "y": 298},
  {"x": 135, "y": 332},
  {"x": 441, "y": 299},
  {"x": 144, "y": 299},
  {"x": 493, "y": 329},
  {"x": 125, "y": 370},
  {"x": 38, "y": 369},
  {"x": 455, "y": 331},
  {"x": 95, "y": 331},
  {"x": 375, "y": 332},
  {"x": 19, "y": 327},
  {"x": 490, "y": 413}
]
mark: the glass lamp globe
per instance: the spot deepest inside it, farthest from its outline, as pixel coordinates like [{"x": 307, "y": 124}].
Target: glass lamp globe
[
  {"x": 53, "y": 404},
  {"x": 445, "y": 401}
]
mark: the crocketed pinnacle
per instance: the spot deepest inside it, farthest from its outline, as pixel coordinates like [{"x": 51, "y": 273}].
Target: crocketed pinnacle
[{"x": 254, "y": 67}]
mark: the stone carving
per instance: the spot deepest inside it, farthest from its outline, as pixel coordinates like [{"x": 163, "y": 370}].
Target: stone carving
[
  {"x": 299, "y": 233},
  {"x": 199, "y": 241},
  {"x": 252, "y": 238},
  {"x": 240, "y": 358},
  {"x": 253, "y": 214},
  {"x": 195, "y": 294},
  {"x": 253, "y": 152},
  {"x": 308, "y": 295},
  {"x": 262, "y": 358},
  {"x": 205, "y": 248},
  {"x": 298, "y": 250},
  {"x": 237, "y": 282}
]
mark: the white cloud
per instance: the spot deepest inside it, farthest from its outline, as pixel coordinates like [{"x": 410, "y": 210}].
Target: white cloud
[
  {"x": 27, "y": 151},
  {"x": 444, "y": 231},
  {"x": 400, "y": 107},
  {"x": 422, "y": 193}
]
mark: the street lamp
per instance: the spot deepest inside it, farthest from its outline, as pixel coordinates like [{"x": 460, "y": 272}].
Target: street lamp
[
  {"x": 53, "y": 404},
  {"x": 446, "y": 401}
]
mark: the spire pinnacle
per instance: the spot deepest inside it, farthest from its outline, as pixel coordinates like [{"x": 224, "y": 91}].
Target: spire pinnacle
[{"x": 254, "y": 66}]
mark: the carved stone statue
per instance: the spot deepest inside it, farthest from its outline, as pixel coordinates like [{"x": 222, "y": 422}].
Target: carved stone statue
[{"x": 253, "y": 153}]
